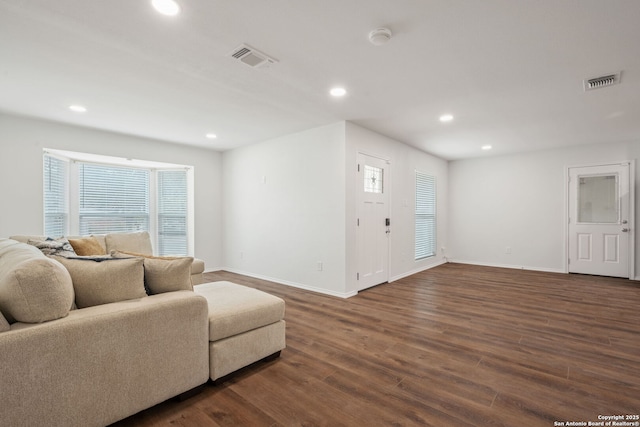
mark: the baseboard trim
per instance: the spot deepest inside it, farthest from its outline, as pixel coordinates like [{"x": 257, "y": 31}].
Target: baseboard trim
[
  {"x": 511, "y": 266},
  {"x": 293, "y": 284},
  {"x": 417, "y": 270}
]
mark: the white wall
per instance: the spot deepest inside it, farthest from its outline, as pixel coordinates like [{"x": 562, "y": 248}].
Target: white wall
[
  {"x": 518, "y": 201},
  {"x": 23, "y": 139},
  {"x": 290, "y": 202},
  {"x": 284, "y": 209},
  {"x": 404, "y": 161}
]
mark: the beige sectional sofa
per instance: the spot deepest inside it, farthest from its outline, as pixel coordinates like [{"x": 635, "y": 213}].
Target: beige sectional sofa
[
  {"x": 95, "y": 365},
  {"x": 82, "y": 344}
]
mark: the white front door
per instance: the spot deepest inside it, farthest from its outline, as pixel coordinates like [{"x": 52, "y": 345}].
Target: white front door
[
  {"x": 599, "y": 220},
  {"x": 373, "y": 219}
]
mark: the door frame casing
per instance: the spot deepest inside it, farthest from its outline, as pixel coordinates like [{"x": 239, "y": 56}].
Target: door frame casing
[{"x": 632, "y": 216}]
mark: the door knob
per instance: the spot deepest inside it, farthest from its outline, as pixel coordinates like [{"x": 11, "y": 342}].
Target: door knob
[{"x": 624, "y": 230}]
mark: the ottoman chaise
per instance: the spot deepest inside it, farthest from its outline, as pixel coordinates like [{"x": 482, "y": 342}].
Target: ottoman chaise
[{"x": 245, "y": 326}]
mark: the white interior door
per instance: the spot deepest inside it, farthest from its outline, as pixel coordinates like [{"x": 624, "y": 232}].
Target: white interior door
[
  {"x": 599, "y": 220},
  {"x": 373, "y": 219}
]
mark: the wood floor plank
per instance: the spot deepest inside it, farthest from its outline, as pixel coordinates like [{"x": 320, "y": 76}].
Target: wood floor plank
[{"x": 455, "y": 345}]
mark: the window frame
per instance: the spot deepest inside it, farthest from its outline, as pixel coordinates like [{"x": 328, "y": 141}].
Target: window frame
[{"x": 76, "y": 159}]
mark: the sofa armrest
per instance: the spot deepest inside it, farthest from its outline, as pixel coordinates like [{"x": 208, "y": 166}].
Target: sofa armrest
[
  {"x": 103, "y": 363},
  {"x": 197, "y": 268}
]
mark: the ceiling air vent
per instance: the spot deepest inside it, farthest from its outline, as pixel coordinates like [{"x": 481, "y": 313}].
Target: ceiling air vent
[
  {"x": 603, "y": 81},
  {"x": 252, "y": 57}
]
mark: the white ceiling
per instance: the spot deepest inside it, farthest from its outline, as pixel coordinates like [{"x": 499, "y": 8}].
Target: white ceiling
[{"x": 510, "y": 71}]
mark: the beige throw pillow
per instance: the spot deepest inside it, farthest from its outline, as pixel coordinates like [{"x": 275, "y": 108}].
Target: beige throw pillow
[
  {"x": 87, "y": 246},
  {"x": 105, "y": 280},
  {"x": 164, "y": 274},
  {"x": 37, "y": 289}
]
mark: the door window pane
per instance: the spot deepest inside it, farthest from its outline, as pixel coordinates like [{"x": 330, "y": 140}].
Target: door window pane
[
  {"x": 373, "y": 177},
  {"x": 598, "y": 199}
]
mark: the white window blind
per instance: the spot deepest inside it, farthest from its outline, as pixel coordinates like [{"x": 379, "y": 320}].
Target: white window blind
[
  {"x": 425, "y": 216},
  {"x": 172, "y": 212},
  {"x": 112, "y": 199},
  {"x": 56, "y": 208}
]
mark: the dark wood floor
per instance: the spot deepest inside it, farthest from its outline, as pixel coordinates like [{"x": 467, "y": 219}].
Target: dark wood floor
[{"x": 456, "y": 345}]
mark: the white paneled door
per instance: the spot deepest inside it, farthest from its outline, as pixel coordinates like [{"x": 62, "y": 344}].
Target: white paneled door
[
  {"x": 373, "y": 221},
  {"x": 600, "y": 220}
]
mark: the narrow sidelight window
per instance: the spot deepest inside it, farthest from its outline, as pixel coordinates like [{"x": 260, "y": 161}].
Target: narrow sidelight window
[
  {"x": 425, "y": 216},
  {"x": 56, "y": 206},
  {"x": 172, "y": 212}
]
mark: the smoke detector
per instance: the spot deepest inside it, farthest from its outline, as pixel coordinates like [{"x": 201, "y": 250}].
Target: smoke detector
[
  {"x": 252, "y": 57},
  {"x": 380, "y": 36},
  {"x": 602, "y": 81}
]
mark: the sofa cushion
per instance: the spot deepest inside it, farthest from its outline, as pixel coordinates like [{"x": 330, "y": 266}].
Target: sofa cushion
[
  {"x": 4, "y": 325},
  {"x": 139, "y": 242},
  {"x": 33, "y": 288},
  {"x": 234, "y": 309},
  {"x": 103, "y": 280},
  {"x": 167, "y": 275},
  {"x": 87, "y": 246},
  {"x": 49, "y": 246},
  {"x": 163, "y": 274}
]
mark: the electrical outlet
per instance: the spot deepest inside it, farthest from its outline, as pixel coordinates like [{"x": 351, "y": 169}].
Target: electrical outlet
[
  {"x": 507, "y": 250},
  {"x": 319, "y": 265}
]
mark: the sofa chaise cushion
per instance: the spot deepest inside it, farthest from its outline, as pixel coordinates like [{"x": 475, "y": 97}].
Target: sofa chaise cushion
[
  {"x": 33, "y": 288},
  {"x": 234, "y": 309}
]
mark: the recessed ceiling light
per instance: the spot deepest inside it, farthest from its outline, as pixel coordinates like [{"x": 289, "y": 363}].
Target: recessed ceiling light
[
  {"x": 78, "y": 108},
  {"x": 446, "y": 118},
  {"x": 486, "y": 147},
  {"x": 166, "y": 7},
  {"x": 338, "y": 91},
  {"x": 211, "y": 136}
]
